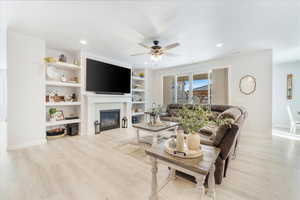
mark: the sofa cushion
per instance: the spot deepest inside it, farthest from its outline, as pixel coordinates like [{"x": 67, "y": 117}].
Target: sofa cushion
[
  {"x": 219, "y": 134},
  {"x": 207, "y": 140},
  {"x": 213, "y": 115},
  {"x": 233, "y": 113},
  {"x": 173, "y": 112},
  {"x": 209, "y": 130}
]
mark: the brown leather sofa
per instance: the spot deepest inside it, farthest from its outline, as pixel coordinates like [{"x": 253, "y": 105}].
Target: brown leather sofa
[{"x": 228, "y": 143}]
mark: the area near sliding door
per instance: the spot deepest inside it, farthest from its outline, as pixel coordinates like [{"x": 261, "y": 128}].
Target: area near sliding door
[
  {"x": 183, "y": 89},
  {"x": 169, "y": 93},
  {"x": 219, "y": 86},
  {"x": 197, "y": 88},
  {"x": 200, "y": 85}
]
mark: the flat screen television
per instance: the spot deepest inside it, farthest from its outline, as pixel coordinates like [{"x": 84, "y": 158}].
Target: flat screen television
[{"x": 106, "y": 78}]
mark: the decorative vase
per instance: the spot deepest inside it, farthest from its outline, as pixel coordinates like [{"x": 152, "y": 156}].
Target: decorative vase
[
  {"x": 180, "y": 141},
  {"x": 193, "y": 141}
]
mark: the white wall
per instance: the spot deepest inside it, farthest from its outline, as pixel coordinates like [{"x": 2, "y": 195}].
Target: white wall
[
  {"x": 280, "y": 72},
  {"x": 3, "y": 63},
  {"x": 26, "y": 91},
  {"x": 258, "y": 64},
  {"x": 3, "y": 72}
]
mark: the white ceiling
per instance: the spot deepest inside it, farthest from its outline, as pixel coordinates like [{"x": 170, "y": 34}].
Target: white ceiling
[{"x": 114, "y": 28}]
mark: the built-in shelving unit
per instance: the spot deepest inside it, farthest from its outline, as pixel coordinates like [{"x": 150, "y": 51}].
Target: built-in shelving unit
[
  {"x": 138, "y": 102},
  {"x": 137, "y": 113},
  {"x": 62, "y": 122},
  {"x": 65, "y": 66},
  {"x": 62, "y": 84},
  {"x": 66, "y": 84},
  {"x": 138, "y": 94},
  {"x": 63, "y": 103},
  {"x": 138, "y": 78},
  {"x": 138, "y": 90}
]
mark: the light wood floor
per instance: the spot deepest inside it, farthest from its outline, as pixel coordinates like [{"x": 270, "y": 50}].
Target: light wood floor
[{"x": 111, "y": 166}]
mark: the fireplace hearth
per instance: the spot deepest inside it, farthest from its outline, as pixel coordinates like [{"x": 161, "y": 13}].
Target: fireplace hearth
[{"x": 109, "y": 119}]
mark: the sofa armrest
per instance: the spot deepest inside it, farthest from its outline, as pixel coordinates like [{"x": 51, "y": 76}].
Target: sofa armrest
[{"x": 228, "y": 142}]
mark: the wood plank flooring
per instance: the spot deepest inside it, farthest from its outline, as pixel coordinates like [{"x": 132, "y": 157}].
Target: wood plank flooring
[{"x": 111, "y": 166}]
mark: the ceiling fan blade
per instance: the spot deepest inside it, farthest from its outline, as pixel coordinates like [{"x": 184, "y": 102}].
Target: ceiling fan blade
[
  {"x": 171, "y": 54},
  {"x": 145, "y": 46},
  {"x": 138, "y": 54},
  {"x": 171, "y": 46}
]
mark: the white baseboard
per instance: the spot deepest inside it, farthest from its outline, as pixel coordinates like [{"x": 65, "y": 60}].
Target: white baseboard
[
  {"x": 281, "y": 125},
  {"x": 24, "y": 145}
]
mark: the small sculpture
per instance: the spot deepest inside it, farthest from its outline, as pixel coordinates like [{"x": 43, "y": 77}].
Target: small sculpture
[{"x": 62, "y": 58}]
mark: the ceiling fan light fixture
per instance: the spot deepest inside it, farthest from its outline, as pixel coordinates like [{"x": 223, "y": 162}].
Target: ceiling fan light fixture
[
  {"x": 156, "y": 57},
  {"x": 83, "y": 42},
  {"x": 219, "y": 45}
]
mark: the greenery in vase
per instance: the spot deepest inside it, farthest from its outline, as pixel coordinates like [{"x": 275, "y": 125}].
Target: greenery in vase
[
  {"x": 156, "y": 110},
  {"x": 193, "y": 119},
  {"x": 52, "y": 111}
]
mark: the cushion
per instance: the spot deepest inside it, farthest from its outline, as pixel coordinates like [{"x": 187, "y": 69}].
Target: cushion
[
  {"x": 233, "y": 113},
  {"x": 219, "y": 134},
  {"x": 209, "y": 130},
  {"x": 213, "y": 115},
  {"x": 173, "y": 112},
  {"x": 204, "y": 139}
]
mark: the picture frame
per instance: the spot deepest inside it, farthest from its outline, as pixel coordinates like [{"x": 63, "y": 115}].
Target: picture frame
[
  {"x": 247, "y": 84},
  {"x": 289, "y": 89},
  {"x": 59, "y": 115}
]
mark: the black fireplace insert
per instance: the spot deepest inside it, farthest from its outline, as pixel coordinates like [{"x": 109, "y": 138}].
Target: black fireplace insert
[{"x": 109, "y": 119}]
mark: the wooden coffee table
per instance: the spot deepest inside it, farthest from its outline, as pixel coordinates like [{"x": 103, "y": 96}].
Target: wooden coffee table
[
  {"x": 154, "y": 130},
  {"x": 199, "y": 168}
]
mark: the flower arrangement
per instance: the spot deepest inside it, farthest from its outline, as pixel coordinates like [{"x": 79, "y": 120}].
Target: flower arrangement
[{"x": 193, "y": 119}]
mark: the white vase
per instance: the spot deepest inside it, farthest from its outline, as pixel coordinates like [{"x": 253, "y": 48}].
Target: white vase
[
  {"x": 180, "y": 140},
  {"x": 193, "y": 141}
]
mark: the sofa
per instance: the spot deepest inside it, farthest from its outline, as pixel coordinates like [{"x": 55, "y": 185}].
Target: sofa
[{"x": 225, "y": 138}]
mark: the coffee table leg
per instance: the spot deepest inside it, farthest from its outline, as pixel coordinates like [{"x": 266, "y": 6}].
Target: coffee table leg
[
  {"x": 137, "y": 135},
  {"x": 200, "y": 185},
  {"x": 154, "y": 195},
  {"x": 211, "y": 183},
  {"x": 155, "y": 139}
]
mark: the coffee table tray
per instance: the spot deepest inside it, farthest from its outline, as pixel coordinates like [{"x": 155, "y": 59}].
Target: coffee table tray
[{"x": 188, "y": 154}]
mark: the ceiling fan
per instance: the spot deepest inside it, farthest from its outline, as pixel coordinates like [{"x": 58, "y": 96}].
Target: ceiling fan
[{"x": 156, "y": 51}]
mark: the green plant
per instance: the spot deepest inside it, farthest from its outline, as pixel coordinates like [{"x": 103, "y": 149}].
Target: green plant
[
  {"x": 193, "y": 119},
  {"x": 52, "y": 111},
  {"x": 156, "y": 110}
]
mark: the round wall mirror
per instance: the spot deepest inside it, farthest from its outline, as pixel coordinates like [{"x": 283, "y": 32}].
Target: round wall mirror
[{"x": 247, "y": 84}]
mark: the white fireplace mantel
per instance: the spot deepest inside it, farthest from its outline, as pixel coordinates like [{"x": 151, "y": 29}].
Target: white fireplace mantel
[{"x": 96, "y": 101}]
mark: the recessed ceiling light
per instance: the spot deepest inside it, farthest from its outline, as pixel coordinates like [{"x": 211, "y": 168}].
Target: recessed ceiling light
[
  {"x": 219, "y": 45},
  {"x": 83, "y": 42}
]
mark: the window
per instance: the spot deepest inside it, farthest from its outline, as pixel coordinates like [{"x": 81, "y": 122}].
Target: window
[
  {"x": 200, "y": 88},
  {"x": 183, "y": 88}
]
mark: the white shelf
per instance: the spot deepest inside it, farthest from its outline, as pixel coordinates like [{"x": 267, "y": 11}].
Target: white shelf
[
  {"x": 137, "y": 113},
  {"x": 63, "y": 103},
  {"x": 138, "y": 78},
  {"x": 62, "y": 84},
  {"x": 63, "y": 65},
  {"x": 138, "y": 90},
  {"x": 62, "y": 122},
  {"x": 138, "y": 102}
]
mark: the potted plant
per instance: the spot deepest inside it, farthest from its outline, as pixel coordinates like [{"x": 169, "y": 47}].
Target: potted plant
[
  {"x": 192, "y": 120},
  {"x": 52, "y": 111},
  {"x": 156, "y": 110}
]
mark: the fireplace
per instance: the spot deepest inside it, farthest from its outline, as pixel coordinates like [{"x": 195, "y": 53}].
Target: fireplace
[{"x": 109, "y": 119}]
